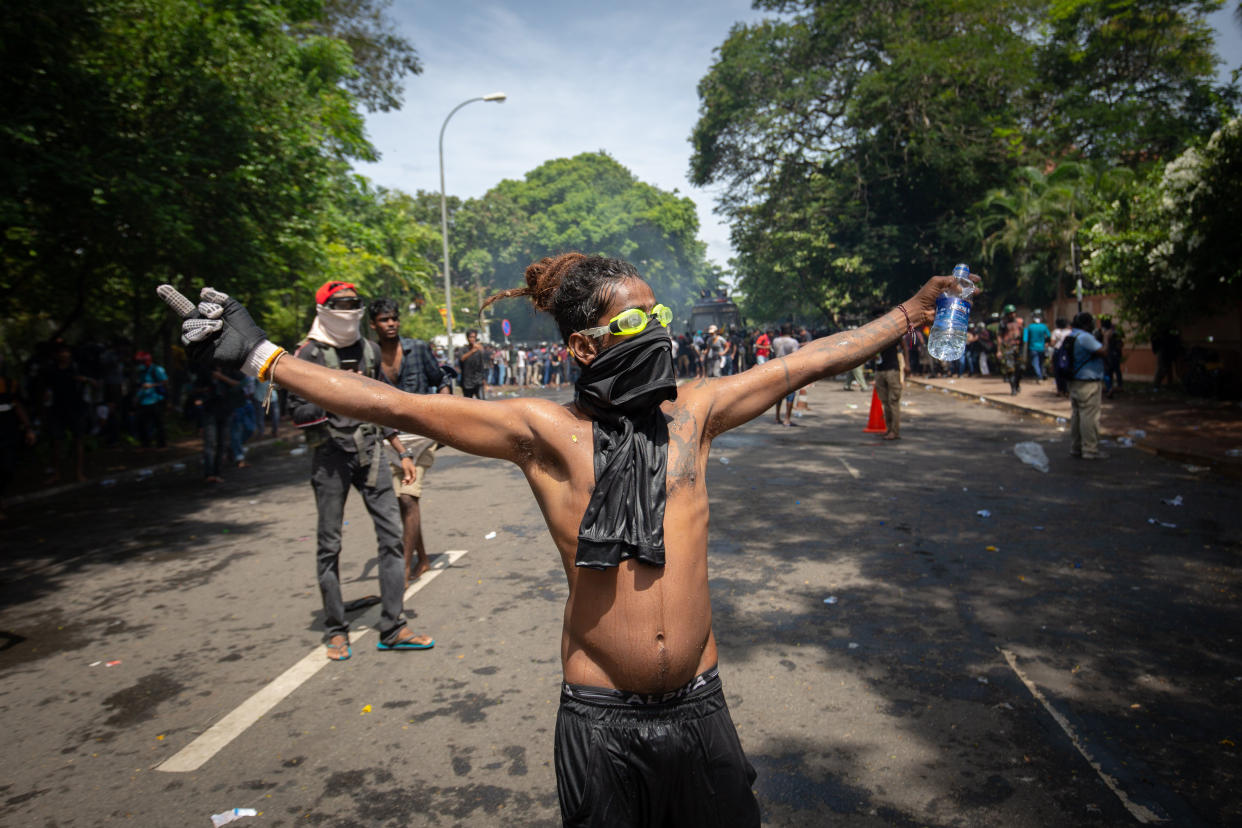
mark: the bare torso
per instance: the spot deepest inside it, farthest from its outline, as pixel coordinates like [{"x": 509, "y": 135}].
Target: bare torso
[{"x": 636, "y": 627}]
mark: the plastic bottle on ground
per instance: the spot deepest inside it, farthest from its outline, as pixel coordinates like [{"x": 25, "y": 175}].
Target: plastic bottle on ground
[{"x": 948, "y": 334}]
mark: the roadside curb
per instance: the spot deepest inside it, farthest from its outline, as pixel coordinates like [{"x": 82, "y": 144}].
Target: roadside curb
[
  {"x": 174, "y": 464},
  {"x": 1148, "y": 445},
  {"x": 1016, "y": 408}
]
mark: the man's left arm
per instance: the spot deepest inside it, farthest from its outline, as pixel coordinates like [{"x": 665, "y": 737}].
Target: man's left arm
[{"x": 737, "y": 399}]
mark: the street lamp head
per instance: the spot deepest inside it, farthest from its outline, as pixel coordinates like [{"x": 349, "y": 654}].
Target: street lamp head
[{"x": 498, "y": 97}]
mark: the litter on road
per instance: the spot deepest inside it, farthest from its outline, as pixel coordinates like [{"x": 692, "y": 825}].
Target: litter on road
[
  {"x": 1177, "y": 501},
  {"x": 831, "y": 599},
  {"x": 1032, "y": 454},
  {"x": 489, "y": 536},
  {"x": 1162, "y": 523},
  {"x": 228, "y": 816},
  {"x": 983, "y": 513}
]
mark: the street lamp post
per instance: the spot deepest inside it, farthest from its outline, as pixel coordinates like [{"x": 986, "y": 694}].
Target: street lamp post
[{"x": 498, "y": 97}]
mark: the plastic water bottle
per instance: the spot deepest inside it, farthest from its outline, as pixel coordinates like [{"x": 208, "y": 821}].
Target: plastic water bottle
[{"x": 948, "y": 334}]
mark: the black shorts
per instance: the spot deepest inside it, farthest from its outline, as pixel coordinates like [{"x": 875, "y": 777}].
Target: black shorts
[{"x": 626, "y": 759}]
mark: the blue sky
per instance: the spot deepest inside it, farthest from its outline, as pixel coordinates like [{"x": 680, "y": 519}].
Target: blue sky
[{"x": 580, "y": 76}]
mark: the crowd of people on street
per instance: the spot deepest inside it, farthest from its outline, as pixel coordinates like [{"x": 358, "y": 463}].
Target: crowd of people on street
[{"x": 65, "y": 399}]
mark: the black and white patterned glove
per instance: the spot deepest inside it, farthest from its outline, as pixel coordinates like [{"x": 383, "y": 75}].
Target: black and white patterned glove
[{"x": 220, "y": 330}]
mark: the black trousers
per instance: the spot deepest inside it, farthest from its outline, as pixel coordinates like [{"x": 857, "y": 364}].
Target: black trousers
[
  {"x": 678, "y": 763},
  {"x": 333, "y": 472}
]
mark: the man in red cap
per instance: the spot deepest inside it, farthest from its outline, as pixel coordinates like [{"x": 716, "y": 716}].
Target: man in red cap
[{"x": 349, "y": 452}]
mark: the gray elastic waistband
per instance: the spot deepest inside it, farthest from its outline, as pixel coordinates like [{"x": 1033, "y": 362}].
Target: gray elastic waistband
[{"x": 706, "y": 682}]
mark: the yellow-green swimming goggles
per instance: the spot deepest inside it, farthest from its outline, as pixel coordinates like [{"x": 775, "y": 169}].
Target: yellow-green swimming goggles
[{"x": 632, "y": 321}]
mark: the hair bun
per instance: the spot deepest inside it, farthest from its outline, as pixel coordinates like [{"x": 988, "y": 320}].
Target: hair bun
[{"x": 543, "y": 277}]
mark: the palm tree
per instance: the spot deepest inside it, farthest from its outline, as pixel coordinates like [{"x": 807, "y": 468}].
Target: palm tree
[{"x": 1036, "y": 221}]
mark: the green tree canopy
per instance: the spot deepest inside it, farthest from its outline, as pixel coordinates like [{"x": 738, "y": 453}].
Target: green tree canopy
[
  {"x": 142, "y": 141},
  {"x": 589, "y": 203},
  {"x": 852, "y": 136},
  {"x": 1126, "y": 80},
  {"x": 371, "y": 237},
  {"x": 859, "y": 142}
]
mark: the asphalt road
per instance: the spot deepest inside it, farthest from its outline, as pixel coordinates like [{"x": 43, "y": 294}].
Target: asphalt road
[{"x": 890, "y": 656}]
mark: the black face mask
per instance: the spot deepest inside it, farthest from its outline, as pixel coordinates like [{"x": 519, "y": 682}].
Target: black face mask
[
  {"x": 630, "y": 378},
  {"x": 621, "y": 390}
]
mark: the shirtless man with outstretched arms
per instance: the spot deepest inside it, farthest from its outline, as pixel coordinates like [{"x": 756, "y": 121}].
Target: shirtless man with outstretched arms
[{"x": 637, "y": 645}]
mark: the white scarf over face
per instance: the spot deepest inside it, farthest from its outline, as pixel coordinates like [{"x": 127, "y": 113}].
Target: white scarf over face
[{"x": 338, "y": 328}]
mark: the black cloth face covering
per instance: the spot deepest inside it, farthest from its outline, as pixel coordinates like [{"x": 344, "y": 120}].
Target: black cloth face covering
[{"x": 621, "y": 390}]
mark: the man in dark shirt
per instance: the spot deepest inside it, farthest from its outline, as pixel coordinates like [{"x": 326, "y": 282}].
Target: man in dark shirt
[
  {"x": 14, "y": 421},
  {"x": 349, "y": 452},
  {"x": 409, "y": 365},
  {"x": 67, "y": 410},
  {"x": 214, "y": 398},
  {"x": 474, "y": 365},
  {"x": 890, "y": 380}
]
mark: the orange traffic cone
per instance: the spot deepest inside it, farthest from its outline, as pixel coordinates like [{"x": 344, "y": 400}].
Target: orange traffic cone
[{"x": 875, "y": 423}]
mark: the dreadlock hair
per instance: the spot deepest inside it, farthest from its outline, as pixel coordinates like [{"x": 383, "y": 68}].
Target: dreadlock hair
[{"x": 573, "y": 287}]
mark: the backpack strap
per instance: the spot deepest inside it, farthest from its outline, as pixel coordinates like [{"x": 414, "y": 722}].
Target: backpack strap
[
  {"x": 1074, "y": 369},
  {"x": 371, "y": 356}
]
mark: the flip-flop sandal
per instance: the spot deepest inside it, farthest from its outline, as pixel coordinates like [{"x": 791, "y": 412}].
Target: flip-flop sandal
[
  {"x": 406, "y": 644},
  {"x": 336, "y": 648}
]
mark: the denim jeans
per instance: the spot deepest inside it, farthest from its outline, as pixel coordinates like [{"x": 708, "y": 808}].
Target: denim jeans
[
  {"x": 1037, "y": 364},
  {"x": 151, "y": 424},
  {"x": 243, "y": 428},
  {"x": 333, "y": 472},
  {"x": 215, "y": 442}
]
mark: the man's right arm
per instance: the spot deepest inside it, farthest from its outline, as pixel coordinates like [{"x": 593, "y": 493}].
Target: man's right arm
[{"x": 501, "y": 429}]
